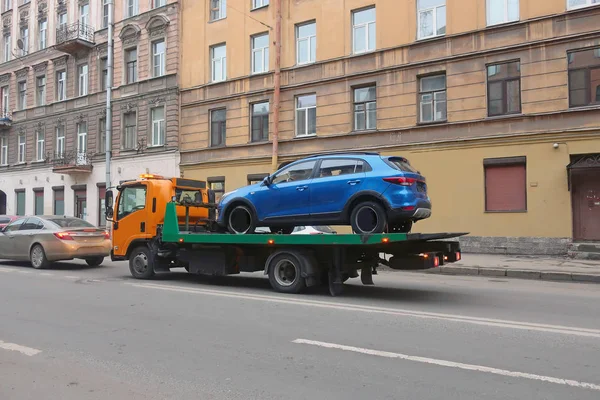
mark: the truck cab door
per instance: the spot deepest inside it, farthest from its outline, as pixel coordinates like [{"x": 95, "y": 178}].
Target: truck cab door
[{"x": 131, "y": 217}]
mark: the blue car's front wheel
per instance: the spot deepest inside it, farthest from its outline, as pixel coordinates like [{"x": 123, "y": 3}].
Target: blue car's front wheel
[{"x": 241, "y": 220}]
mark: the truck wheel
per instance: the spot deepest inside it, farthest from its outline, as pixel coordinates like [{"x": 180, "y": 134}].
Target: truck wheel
[
  {"x": 95, "y": 261},
  {"x": 241, "y": 220},
  {"x": 37, "y": 257},
  {"x": 141, "y": 263},
  {"x": 285, "y": 273},
  {"x": 368, "y": 217}
]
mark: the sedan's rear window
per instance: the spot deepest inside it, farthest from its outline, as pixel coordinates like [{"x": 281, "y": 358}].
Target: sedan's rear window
[
  {"x": 400, "y": 164},
  {"x": 71, "y": 223}
]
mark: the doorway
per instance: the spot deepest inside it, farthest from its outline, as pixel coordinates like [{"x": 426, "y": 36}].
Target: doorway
[
  {"x": 81, "y": 204},
  {"x": 2, "y": 203},
  {"x": 585, "y": 189}
]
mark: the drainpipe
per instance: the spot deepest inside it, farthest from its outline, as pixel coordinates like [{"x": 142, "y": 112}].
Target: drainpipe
[
  {"x": 277, "y": 86},
  {"x": 109, "y": 84}
]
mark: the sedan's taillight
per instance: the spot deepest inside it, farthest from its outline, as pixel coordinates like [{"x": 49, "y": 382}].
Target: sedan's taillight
[
  {"x": 106, "y": 234},
  {"x": 401, "y": 180},
  {"x": 63, "y": 235}
]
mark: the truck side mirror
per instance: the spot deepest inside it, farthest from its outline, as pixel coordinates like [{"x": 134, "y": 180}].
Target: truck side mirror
[{"x": 108, "y": 204}]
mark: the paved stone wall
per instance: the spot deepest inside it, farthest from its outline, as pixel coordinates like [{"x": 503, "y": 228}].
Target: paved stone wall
[{"x": 515, "y": 245}]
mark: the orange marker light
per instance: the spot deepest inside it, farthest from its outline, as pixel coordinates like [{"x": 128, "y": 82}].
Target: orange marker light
[
  {"x": 180, "y": 240},
  {"x": 385, "y": 240},
  {"x": 445, "y": 258},
  {"x": 425, "y": 255},
  {"x": 270, "y": 241}
]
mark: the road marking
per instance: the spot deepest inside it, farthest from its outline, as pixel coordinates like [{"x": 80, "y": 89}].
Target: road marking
[
  {"x": 565, "y": 330},
  {"x": 71, "y": 277},
  {"x": 4, "y": 269},
  {"x": 450, "y": 364},
  {"x": 28, "y": 351},
  {"x": 46, "y": 274},
  {"x": 24, "y": 272}
]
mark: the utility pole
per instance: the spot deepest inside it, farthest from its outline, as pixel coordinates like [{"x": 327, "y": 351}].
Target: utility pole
[
  {"x": 277, "y": 86},
  {"x": 109, "y": 84}
]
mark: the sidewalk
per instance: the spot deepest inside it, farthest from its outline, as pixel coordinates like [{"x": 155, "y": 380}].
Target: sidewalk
[{"x": 527, "y": 267}]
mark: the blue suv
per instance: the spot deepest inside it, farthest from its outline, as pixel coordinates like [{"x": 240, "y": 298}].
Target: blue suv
[{"x": 370, "y": 192}]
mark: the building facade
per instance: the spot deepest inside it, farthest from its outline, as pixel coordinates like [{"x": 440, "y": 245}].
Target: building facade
[
  {"x": 496, "y": 102},
  {"x": 53, "y": 79}
]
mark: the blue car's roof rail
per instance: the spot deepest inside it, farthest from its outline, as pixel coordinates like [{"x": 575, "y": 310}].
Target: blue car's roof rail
[{"x": 333, "y": 153}]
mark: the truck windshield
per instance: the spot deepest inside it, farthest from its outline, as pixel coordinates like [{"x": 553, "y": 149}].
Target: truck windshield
[{"x": 132, "y": 198}]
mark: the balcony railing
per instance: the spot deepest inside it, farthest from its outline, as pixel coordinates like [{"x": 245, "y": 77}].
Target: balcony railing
[
  {"x": 72, "y": 37},
  {"x": 5, "y": 119},
  {"x": 72, "y": 162}
]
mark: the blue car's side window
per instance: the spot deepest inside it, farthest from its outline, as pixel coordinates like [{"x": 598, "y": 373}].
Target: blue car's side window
[
  {"x": 294, "y": 173},
  {"x": 337, "y": 167}
]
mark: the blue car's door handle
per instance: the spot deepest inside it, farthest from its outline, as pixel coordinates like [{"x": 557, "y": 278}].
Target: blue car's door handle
[
  {"x": 301, "y": 188},
  {"x": 352, "y": 182}
]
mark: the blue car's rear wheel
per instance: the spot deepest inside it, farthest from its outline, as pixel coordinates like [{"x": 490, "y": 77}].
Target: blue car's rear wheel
[
  {"x": 368, "y": 217},
  {"x": 241, "y": 220}
]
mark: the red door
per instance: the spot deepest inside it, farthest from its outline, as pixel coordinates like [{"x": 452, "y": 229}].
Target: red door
[{"x": 586, "y": 204}]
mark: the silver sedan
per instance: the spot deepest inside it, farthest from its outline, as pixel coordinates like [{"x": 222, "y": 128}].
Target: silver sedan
[{"x": 46, "y": 239}]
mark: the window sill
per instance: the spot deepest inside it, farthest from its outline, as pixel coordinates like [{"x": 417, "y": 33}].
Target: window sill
[
  {"x": 503, "y": 116},
  {"x": 362, "y": 131},
  {"x": 444, "y": 121},
  {"x": 362, "y": 53},
  {"x": 433, "y": 37},
  {"x": 506, "y": 212},
  {"x": 259, "y": 8},
  {"x": 260, "y": 73},
  {"x": 216, "y": 20},
  {"x": 593, "y": 106},
  {"x": 305, "y": 64},
  {"x": 502, "y": 24},
  {"x": 300, "y": 137},
  {"x": 38, "y": 162}
]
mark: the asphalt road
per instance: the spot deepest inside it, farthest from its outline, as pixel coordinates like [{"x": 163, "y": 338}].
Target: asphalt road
[{"x": 74, "y": 332}]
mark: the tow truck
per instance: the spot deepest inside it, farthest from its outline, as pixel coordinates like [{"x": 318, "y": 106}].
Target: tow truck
[{"x": 166, "y": 223}]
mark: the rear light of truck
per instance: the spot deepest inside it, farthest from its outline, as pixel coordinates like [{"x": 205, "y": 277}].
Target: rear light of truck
[
  {"x": 63, "y": 235},
  {"x": 401, "y": 180}
]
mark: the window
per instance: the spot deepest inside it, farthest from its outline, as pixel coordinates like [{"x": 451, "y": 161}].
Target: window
[
  {"x": 159, "y": 3},
  {"x": 363, "y": 30},
  {"x": 59, "y": 202},
  {"x": 365, "y": 108},
  {"x": 432, "y": 98},
  {"x": 132, "y": 199},
  {"x": 101, "y": 206},
  {"x": 158, "y": 126},
  {"x": 22, "y": 95},
  {"x": 158, "y": 58},
  {"x": 83, "y": 79},
  {"x": 16, "y": 225},
  {"x": 103, "y": 73},
  {"x": 25, "y": 40},
  {"x": 43, "y": 34},
  {"x": 306, "y": 43},
  {"x": 131, "y": 61},
  {"x": 584, "y": 78},
  {"x": 132, "y": 8},
  {"x": 431, "y": 18},
  {"x": 502, "y": 11},
  {"x": 39, "y": 204},
  {"x": 505, "y": 184},
  {"x": 61, "y": 85},
  {"x": 41, "y": 90},
  {"x": 7, "y": 47},
  {"x": 260, "y": 121},
  {"x": 259, "y": 3},
  {"x": 60, "y": 142},
  {"x": 574, "y": 4},
  {"x": 217, "y": 185},
  {"x": 218, "y": 127},
  {"x": 260, "y": 53},
  {"x": 105, "y": 13},
  {"x": 20, "y": 203},
  {"x": 256, "y": 178},
  {"x": 81, "y": 141},
  {"x": 130, "y": 130},
  {"x": 102, "y": 135},
  {"x": 84, "y": 14},
  {"x": 21, "y": 149},
  {"x": 306, "y": 115},
  {"x": 337, "y": 167},
  {"x": 6, "y": 5},
  {"x": 5, "y": 100},
  {"x": 218, "y": 9},
  {"x": 296, "y": 172},
  {"x": 504, "y": 88},
  {"x": 34, "y": 223},
  {"x": 61, "y": 20},
  {"x": 40, "y": 147},
  {"x": 3, "y": 150},
  {"x": 218, "y": 65}
]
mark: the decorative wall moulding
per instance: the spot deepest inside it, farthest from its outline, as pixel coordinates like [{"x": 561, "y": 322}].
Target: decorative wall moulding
[
  {"x": 129, "y": 106},
  {"x": 22, "y": 73},
  {"x": 42, "y": 10},
  {"x": 41, "y": 67},
  {"x": 60, "y": 61},
  {"x": 5, "y": 78}
]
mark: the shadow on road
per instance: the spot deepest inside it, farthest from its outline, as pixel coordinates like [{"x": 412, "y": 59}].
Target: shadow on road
[{"x": 58, "y": 266}]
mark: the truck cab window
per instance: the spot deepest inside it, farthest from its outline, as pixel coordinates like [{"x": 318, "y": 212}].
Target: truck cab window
[{"x": 132, "y": 199}]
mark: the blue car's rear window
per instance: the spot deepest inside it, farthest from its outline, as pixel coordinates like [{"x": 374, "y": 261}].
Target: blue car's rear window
[{"x": 400, "y": 164}]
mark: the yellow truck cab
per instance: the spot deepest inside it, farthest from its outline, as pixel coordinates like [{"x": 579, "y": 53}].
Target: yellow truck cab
[{"x": 139, "y": 210}]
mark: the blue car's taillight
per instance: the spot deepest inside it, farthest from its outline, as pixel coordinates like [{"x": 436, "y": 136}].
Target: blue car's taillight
[{"x": 401, "y": 180}]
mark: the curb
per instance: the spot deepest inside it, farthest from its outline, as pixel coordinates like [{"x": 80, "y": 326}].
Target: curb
[{"x": 556, "y": 276}]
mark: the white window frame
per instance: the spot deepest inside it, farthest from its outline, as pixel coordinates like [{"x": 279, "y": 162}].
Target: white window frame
[
  {"x": 105, "y": 13},
  {"x": 220, "y": 9},
  {"x": 60, "y": 142},
  {"x": 434, "y": 12},
  {"x": 306, "y": 118},
  {"x": 5, "y": 100},
  {"x": 159, "y": 3},
  {"x": 83, "y": 71},
  {"x": 366, "y": 25},
  {"x": 222, "y": 76},
  {"x": 24, "y": 34},
  {"x": 7, "y": 47},
  {"x": 132, "y": 8},
  {"x": 6, "y": 5},
  {"x": 588, "y": 3},
  {"x": 40, "y": 97},
  {"x": 59, "y": 17},
  {"x": 158, "y": 128},
  {"x": 264, "y": 54},
  {"x": 3, "y": 150},
  {"x": 43, "y": 34},
  {"x": 505, "y": 20},
  {"x": 84, "y": 13},
  {"x": 21, "y": 148},
  {"x": 308, "y": 39},
  {"x": 259, "y": 4},
  {"x": 22, "y": 100},
  {"x": 161, "y": 59},
  {"x": 40, "y": 147},
  {"x": 61, "y": 85},
  {"x": 129, "y": 134},
  {"x": 82, "y": 139}
]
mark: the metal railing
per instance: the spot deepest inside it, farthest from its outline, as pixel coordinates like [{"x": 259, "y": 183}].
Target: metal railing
[
  {"x": 72, "y": 158},
  {"x": 74, "y": 31}
]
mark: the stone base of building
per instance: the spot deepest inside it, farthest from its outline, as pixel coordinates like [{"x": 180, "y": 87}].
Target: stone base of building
[{"x": 516, "y": 245}]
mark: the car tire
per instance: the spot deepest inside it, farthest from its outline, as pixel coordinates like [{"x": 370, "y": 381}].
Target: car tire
[
  {"x": 37, "y": 257},
  {"x": 285, "y": 273},
  {"x": 241, "y": 220},
  {"x": 368, "y": 217},
  {"x": 94, "y": 261},
  {"x": 141, "y": 263}
]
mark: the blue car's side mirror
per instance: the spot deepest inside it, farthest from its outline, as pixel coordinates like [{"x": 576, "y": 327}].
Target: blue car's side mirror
[{"x": 267, "y": 181}]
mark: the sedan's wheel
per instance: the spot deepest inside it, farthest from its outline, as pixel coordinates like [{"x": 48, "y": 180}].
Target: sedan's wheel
[
  {"x": 94, "y": 261},
  {"x": 141, "y": 264},
  {"x": 37, "y": 256},
  {"x": 368, "y": 217},
  {"x": 285, "y": 273},
  {"x": 241, "y": 221}
]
